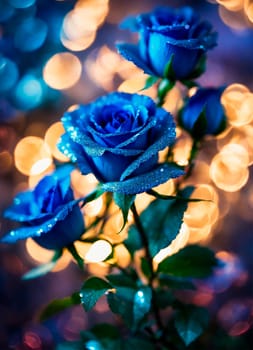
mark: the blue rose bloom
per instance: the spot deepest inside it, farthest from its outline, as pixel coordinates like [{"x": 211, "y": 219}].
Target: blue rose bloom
[
  {"x": 49, "y": 214},
  {"x": 168, "y": 35},
  {"x": 117, "y": 138},
  {"x": 203, "y": 113}
]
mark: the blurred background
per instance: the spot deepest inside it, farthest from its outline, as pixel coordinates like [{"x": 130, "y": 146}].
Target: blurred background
[{"x": 58, "y": 53}]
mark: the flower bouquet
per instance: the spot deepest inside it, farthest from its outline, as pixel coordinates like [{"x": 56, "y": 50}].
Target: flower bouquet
[{"x": 144, "y": 238}]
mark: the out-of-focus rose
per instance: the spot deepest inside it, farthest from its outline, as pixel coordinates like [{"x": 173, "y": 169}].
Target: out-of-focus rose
[
  {"x": 172, "y": 42},
  {"x": 117, "y": 138},
  {"x": 203, "y": 114},
  {"x": 49, "y": 214}
]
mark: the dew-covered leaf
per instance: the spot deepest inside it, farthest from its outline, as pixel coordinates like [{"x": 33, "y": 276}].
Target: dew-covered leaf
[
  {"x": 192, "y": 261},
  {"x": 190, "y": 322},
  {"x": 43, "y": 269},
  {"x": 121, "y": 303},
  {"x": 142, "y": 304},
  {"x": 162, "y": 221},
  {"x": 59, "y": 305},
  {"x": 124, "y": 202},
  {"x": 92, "y": 289},
  {"x": 75, "y": 345}
]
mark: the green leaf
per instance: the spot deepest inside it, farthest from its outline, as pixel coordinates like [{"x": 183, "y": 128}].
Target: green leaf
[
  {"x": 102, "y": 336},
  {"x": 59, "y": 305},
  {"x": 76, "y": 256},
  {"x": 105, "y": 330},
  {"x": 163, "y": 88},
  {"x": 168, "y": 71},
  {"x": 190, "y": 322},
  {"x": 136, "y": 343},
  {"x": 121, "y": 280},
  {"x": 192, "y": 261},
  {"x": 169, "y": 198},
  {"x": 162, "y": 221},
  {"x": 124, "y": 202},
  {"x": 142, "y": 304},
  {"x": 151, "y": 80},
  {"x": 42, "y": 270},
  {"x": 92, "y": 290},
  {"x": 94, "y": 345},
  {"x": 132, "y": 303},
  {"x": 200, "y": 68},
  {"x": 133, "y": 241},
  {"x": 76, "y": 345},
  {"x": 121, "y": 303},
  {"x": 175, "y": 282},
  {"x": 200, "y": 125},
  {"x": 39, "y": 271},
  {"x": 164, "y": 298},
  {"x": 145, "y": 267},
  {"x": 98, "y": 191},
  {"x": 189, "y": 83}
]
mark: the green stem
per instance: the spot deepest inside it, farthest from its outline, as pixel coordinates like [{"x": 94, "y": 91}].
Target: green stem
[
  {"x": 149, "y": 258},
  {"x": 76, "y": 256},
  {"x": 108, "y": 203},
  {"x": 191, "y": 162},
  {"x": 193, "y": 155},
  {"x": 163, "y": 88}
]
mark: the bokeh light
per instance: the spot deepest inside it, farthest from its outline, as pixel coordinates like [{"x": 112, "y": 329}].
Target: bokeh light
[
  {"x": 28, "y": 93},
  {"x": 40, "y": 255},
  {"x": 6, "y": 162},
  {"x": 6, "y": 11},
  {"x": 21, "y": 4},
  {"x": 173, "y": 100},
  {"x": 32, "y": 156},
  {"x": 238, "y": 104},
  {"x": 228, "y": 168},
  {"x": 103, "y": 65},
  {"x": 8, "y": 74},
  {"x": 37, "y": 253},
  {"x": 232, "y": 5},
  {"x": 98, "y": 251},
  {"x": 80, "y": 24},
  {"x": 33, "y": 28},
  {"x": 182, "y": 149},
  {"x": 200, "y": 216},
  {"x": 52, "y": 136},
  {"x": 242, "y": 136},
  {"x": 33, "y": 180},
  {"x": 178, "y": 243},
  {"x": 248, "y": 8},
  {"x": 25, "y": 85},
  {"x": 122, "y": 255},
  {"x": 62, "y": 71}
]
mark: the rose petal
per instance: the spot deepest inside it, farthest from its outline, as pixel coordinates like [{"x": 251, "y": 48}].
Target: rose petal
[
  {"x": 165, "y": 136},
  {"x": 131, "y": 53},
  {"x": 39, "y": 230},
  {"x": 142, "y": 183},
  {"x": 24, "y": 208}
]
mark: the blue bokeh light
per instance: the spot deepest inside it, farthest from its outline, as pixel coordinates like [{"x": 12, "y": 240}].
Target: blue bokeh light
[
  {"x": 29, "y": 92},
  {"x": 6, "y": 11},
  {"x": 31, "y": 34},
  {"x": 20, "y": 4},
  {"x": 8, "y": 74}
]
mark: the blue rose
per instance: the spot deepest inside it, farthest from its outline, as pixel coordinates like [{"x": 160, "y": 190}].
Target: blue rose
[
  {"x": 117, "y": 138},
  {"x": 172, "y": 42},
  {"x": 203, "y": 113},
  {"x": 49, "y": 214}
]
